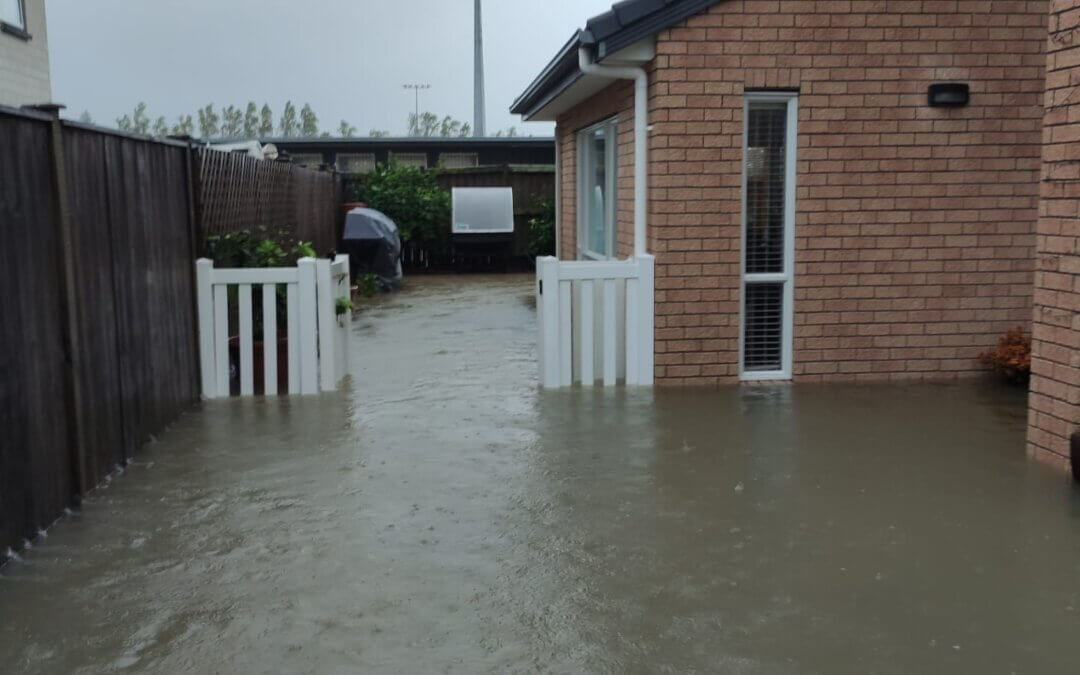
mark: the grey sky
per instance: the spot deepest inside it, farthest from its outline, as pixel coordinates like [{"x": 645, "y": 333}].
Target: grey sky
[{"x": 348, "y": 58}]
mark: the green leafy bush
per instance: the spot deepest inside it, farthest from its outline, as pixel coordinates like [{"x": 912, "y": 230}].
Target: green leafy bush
[
  {"x": 542, "y": 227},
  {"x": 261, "y": 248},
  {"x": 411, "y": 197},
  {"x": 368, "y": 285}
]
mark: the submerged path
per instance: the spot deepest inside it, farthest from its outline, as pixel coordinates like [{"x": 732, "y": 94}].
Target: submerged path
[{"x": 442, "y": 515}]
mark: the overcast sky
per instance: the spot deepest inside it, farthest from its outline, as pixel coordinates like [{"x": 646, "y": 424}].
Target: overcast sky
[{"x": 347, "y": 58}]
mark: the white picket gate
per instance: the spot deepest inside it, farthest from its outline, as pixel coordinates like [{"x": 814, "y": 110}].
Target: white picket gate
[
  {"x": 317, "y": 338},
  {"x": 595, "y": 312}
]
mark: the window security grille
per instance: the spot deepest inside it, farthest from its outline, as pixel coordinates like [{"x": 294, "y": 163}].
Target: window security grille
[
  {"x": 765, "y": 188},
  {"x": 763, "y": 327}
]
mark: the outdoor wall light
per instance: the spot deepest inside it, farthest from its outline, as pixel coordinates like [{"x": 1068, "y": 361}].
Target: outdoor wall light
[{"x": 947, "y": 94}]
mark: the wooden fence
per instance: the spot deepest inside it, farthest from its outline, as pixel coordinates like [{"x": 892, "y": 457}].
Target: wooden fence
[
  {"x": 98, "y": 339},
  {"x": 237, "y": 192}
]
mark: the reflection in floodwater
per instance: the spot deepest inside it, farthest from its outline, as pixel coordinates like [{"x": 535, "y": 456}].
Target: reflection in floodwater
[{"x": 441, "y": 514}]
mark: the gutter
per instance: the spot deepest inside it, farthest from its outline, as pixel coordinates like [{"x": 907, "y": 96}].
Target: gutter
[{"x": 641, "y": 133}]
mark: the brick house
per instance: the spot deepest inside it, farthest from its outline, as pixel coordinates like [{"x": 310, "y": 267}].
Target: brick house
[
  {"x": 885, "y": 238},
  {"x": 1054, "y": 414}
]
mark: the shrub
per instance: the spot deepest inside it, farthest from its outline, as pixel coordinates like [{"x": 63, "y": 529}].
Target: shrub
[
  {"x": 542, "y": 228},
  {"x": 1011, "y": 357},
  {"x": 261, "y": 248},
  {"x": 411, "y": 197}
]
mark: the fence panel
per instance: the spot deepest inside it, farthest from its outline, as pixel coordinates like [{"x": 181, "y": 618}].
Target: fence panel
[
  {"x": 314, "y": 344},
  {"x": 36, "y": 471},
  {"x": 595, "y": 321},
  {"x": 122, "y": 299},
  {"x": 237, "y": 192}
]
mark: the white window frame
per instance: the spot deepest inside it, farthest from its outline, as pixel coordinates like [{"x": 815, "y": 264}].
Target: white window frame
[
  {"x": 19, "y": 21},
  {"x": 787, "y": 277},
  {"x": 611, "y": 161}
]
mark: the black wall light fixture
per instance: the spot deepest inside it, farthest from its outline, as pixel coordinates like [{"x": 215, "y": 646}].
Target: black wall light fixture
[{"x": 947, "y": 94}]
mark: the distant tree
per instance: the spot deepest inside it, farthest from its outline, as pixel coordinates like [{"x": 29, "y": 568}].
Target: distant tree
[
  {"x": 324, "y": 134},
  {"x": 140, "y": 122},
  {"x": 161, "y": 127},
  {"x": 345, "y": 129},
  {"x": 287, "y": 125},
  {"x": 266, "y": 121},
  {"x": 509, "y": 133},
  {"x": 309, "y": 122},
  {"x": 429, "y": 124},
  {"x": 85, "y": 117},
  {"x": 378, "y": 133},
  {"x": 184, "y": 126},
  {"x": 123, "y": 123},
  {"x": 251, "y": 120},
  {"x": 232, "y": 121},
  {"x": 208, "y": 121}
]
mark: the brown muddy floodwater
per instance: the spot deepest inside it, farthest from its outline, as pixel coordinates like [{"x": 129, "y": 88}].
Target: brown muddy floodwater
[{"x": 442, "y": 515}]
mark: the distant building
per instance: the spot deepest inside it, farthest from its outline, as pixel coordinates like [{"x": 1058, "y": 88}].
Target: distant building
[
  {"x": 360, "y": 155},
  {"x": 24, "y": 53}
]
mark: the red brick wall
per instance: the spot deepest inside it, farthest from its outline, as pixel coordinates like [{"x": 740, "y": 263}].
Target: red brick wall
[
  {"x": 914, "y": 225},
  {"x": 1055, "y": 382},
  {"x": 615, "y": 100}
]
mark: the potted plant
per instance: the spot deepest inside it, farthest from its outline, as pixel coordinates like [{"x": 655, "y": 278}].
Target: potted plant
[
  {"x": 1011, "y": 358},
  {"x": 260, "y": 248}
]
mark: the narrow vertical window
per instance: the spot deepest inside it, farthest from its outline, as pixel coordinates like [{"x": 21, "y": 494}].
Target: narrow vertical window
[
  {"x": 768, "y": 235},
  {"x": 596, "y": 191}
]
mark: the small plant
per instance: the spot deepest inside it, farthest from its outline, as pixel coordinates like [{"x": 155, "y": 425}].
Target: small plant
[
  {"x": 342, "y": 306},
  {"x": 542, "y": 228},
  {"x": 1011, "y": 357},
  {"x": 368, "y": 285}
]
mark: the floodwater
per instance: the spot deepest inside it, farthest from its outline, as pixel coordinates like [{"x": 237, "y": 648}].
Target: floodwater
[{"x": 442, "y": 515}]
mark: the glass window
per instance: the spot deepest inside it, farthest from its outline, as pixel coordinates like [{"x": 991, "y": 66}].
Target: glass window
[
  {"x": 355, "y": 162},
  {"x": 308, "y": 159},
  {"x": 768, "y": 235},
  {"x": 458, "y": 160},
  {"x": 596, "y": 191},
  {"x": 417, "y": 159},
  {"x": 11, "y": 11}
]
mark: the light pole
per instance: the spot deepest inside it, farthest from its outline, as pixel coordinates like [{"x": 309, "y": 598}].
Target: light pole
[{"x": 416, "y": 87}]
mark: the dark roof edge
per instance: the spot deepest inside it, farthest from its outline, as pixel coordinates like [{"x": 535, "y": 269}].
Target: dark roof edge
[
  {"x": 523, "y": 104},
  {"x": 624, "y": 24},
  {"x": 651, "y": 24},
  {"x": 395, "y": 140}
]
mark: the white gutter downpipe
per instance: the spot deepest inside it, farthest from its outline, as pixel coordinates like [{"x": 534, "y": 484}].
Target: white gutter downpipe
[{"x": 641, "y": 133}]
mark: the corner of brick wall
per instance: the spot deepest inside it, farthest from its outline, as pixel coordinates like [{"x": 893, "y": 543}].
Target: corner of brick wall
[{"x": 1054, "y": 413}]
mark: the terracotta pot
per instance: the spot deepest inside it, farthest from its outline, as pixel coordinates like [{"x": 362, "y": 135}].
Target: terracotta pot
[{"x": 257, "y": 361}]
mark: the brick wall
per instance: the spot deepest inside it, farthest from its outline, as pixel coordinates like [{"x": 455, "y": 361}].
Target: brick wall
[
  {"x": 24, "y": 64},
  {"x": 1055, "y": 384},
  {"x": 914, "y": 225},
  {"x": 615, "y": 100}
]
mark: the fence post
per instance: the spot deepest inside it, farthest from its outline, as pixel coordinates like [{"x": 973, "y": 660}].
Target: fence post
[
  {"x": 204, "y": 280},
  {"x": 195, "y": 237},
  {"x": 645, "y": 318},
  {"x": 547, "y": 306},
  {"x": 309, "y": 373},
  {"x": 344, "y": 290},
  {"x": 326, "y": 302},
  {"x": 72, "y": 347}
]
